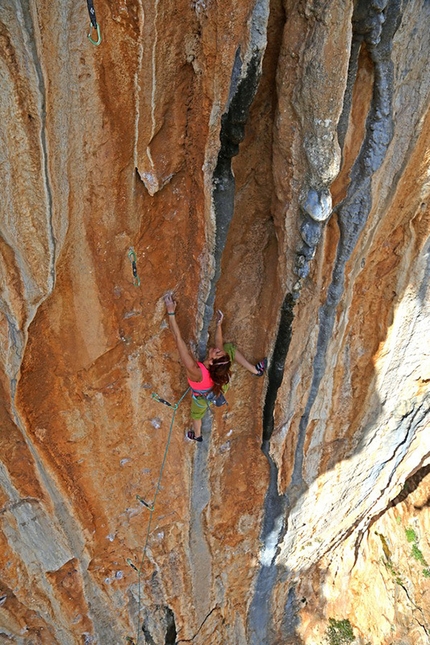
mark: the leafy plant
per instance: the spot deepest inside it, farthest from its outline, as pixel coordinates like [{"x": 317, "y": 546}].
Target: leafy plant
[
  {"x": 411, "y": 536},
  {"x": 417, "y": 554},
  {"x": 339, "y": 632}
]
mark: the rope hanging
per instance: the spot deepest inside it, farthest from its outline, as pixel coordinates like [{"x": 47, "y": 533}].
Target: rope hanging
[{"x": 151, "y": 507}]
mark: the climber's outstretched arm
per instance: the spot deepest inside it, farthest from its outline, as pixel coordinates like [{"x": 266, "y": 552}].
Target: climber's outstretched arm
[
  {"x": 219, "y": 343},
  {"x": 190, "y": 364},
  {"x": 240, "y": 358}
]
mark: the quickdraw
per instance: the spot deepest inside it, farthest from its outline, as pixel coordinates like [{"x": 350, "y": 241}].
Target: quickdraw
[
  {"x": 163, "y": 401},
  {"x": 133, "y": 260},
  {"x": 93, "y": 24}
]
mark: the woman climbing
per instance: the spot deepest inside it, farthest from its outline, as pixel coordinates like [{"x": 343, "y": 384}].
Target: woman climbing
[{"x": 209, "y": 379}]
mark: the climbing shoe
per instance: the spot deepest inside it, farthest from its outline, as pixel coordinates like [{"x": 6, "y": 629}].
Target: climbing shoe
[
  {"x": 261, "y": 367},
  {"x": 192, "y": 435}
]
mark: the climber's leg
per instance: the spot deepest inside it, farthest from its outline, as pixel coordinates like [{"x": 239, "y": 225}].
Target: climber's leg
[
  {"x": 199, "y": 405},
  {"x": 196, "y": 432}
]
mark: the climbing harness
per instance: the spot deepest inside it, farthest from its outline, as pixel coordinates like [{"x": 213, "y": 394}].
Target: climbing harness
[
  {"x": 133, "y": 260},
  {"x": 93, "y": 24},
  {"x": 151, "y": 506},
  {"x": 209, "y": 398}
]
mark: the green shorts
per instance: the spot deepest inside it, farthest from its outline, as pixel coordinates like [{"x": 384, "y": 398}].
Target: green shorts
[{"x": 199, "y": 404}]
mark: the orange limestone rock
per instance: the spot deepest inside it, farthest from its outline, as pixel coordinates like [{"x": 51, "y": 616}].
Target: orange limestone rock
[{"x": 269, "y": 159}]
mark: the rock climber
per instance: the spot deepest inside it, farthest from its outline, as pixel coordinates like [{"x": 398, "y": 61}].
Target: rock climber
[{"x": 210, "y": 378}]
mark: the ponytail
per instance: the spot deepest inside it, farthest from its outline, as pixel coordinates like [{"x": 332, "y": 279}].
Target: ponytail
[{"x": 219, "y": 371}]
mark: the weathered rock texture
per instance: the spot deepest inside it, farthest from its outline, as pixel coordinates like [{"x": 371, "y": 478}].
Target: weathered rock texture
[{"x": 270, "y": 159}]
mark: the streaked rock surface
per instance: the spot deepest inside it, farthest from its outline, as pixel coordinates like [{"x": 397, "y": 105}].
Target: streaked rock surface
[{"x": 268, "y": 159}]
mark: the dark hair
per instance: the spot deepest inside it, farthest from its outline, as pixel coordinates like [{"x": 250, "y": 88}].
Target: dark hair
[{"x": 219, "y": 371}]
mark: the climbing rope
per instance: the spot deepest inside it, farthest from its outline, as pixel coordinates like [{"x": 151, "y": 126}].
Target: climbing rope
[
  {"x": 151, "y": 507},
  {"x": 133, "y": 260},
  {"x": 93, "y": 24}
]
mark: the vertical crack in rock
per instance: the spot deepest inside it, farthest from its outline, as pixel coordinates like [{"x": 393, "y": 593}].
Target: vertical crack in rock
[
  {"x": 277, "y": 365},
  {"x": 232, "y": 134},
  {"x": 244, "y": 82},
  {"x": 377, "y": 31},
  {"x": 243, "y": 87},
  {"x": 274, "y": 527}
]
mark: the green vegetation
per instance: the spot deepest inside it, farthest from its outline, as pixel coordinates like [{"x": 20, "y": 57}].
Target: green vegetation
[
  {"x": 416, "y": 552},
  {"x": 411, "y": 536},
  {"x": 339, "y": 632},
  {"x": 418, "y": 555}
]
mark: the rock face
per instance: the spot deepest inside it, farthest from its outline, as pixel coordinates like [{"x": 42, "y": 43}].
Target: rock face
[{"x": 270, "y": 159}]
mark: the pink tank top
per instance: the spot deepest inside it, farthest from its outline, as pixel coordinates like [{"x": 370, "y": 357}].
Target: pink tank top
[{"x": 205, "y": 384}]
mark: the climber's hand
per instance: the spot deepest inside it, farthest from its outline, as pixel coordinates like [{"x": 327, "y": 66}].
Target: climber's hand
[
  {"x": 219, "y": 317},
  {"x": 170, "y": 303}
]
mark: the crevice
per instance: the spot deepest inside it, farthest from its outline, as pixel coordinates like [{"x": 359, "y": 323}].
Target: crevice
[
  {"x": 244, "y": 82},
  {"x": 223, "y": 182},
  {"x": 277, "y": 365},
  {"x": 171, "y": 632},
  {"x": 410, "y": 486},
  {"x": 160, "y": 623}
]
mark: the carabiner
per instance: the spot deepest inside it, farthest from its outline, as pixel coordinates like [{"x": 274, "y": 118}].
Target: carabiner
[
  {"x": 99, "y": 38},
  {"x": 133, "y": 260}
]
